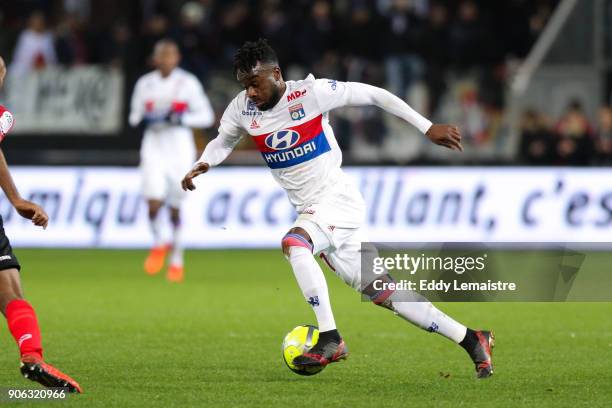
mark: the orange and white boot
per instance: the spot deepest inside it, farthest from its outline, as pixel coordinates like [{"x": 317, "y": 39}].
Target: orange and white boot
[
  {"x": 176, "y": 273},
  {"x": 156, "y": 259}
]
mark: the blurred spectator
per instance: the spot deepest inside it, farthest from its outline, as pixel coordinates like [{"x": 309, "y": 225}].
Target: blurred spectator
[
  {"x": 236, "y": 25},
  {"x": 468, "y": 37},
  {"x": 191, "y": 35},
  {"x": 78, "y": 8},
  {"x": 604, "y": 136},
  {"x": 35, "y": 47},
  {"x": 361, "y": 41},
  {"x": 155, "y": 28},
  {"x": 70, "y": 41},
  {"x": 328, "y": 66},
  {"x": 317, "y": 38},
  {"x": 403, "y": 34},
  {"x": 276, "y": 27},
  {"x": 361, "y": 45},
  {"x": 538, "y": 19},
  {"x": 515, "y": 30},
  {"x": 575, "y": 146},
  {"x": 537, "y": 141},
  {"x": 435, "y": 43},
  {"x": 6, "y": 42},
  {"x": 119, "y": 48}
]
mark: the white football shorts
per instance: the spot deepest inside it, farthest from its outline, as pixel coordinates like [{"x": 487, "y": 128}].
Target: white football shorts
[
  {"x": 162, "y": 171},
  {"x": 335, "y": 226}
]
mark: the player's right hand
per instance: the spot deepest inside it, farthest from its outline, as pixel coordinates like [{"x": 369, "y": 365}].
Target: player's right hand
[
  {"x": 31, "y": 211},
  {"x": 199, "y": 168}
]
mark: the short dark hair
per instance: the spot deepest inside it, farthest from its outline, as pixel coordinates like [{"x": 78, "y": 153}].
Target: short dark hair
[
  {"x": 251, "y": 52},
  {"x": 167, "y": 41}
]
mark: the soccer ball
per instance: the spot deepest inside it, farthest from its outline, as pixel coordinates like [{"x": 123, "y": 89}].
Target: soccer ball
[{"x": 298, "y": 341}]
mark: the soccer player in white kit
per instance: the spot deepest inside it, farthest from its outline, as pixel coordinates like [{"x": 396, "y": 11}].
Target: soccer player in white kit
[
  {"x": 169, "y": 102},
  {"x": 289, "y": 123}
]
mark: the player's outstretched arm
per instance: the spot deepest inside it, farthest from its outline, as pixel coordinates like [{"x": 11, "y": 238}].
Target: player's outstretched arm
[
  {"x": 360, "y": 94},
  {"x": 215, "y": 152},
  {"x": 25, "y": 208}
]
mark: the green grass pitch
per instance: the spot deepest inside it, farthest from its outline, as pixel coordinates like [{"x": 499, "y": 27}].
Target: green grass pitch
[{"x": 135, "y": 340}]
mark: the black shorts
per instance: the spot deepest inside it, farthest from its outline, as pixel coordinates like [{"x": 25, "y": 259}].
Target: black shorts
[{"x": 8, "y": 260}]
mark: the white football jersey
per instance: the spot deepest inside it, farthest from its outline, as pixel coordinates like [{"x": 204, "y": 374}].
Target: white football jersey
[
  {"x": 179, "y": 92},
  {"x": 295, "y": 138}
]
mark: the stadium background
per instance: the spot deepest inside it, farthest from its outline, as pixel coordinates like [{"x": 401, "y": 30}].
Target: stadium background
[
  {"x": 440, "y": 56},
  {"x": 528, "y": 82}
]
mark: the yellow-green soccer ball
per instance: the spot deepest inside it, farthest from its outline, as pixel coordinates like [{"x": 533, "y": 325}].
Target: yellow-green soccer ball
[{"x": 298, "y": 341}]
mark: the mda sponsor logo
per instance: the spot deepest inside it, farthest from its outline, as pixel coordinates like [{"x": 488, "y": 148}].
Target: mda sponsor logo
[{"x": 296, "y": 94}]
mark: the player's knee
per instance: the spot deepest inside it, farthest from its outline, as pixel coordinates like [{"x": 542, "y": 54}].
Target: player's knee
[
  {"x": 154, "y": 207},
  {"x": 175, "y": 218},
  {"x": 296, "y": 237},
  {"x": 10, "y": 289},
  {"x": 153, "y": 211}
]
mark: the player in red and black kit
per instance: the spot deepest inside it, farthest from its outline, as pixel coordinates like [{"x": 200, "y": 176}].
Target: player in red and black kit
[{"x": 19, "y": 313}]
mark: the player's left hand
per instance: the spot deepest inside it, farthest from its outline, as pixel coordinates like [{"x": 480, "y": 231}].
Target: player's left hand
[
  {"x": 445, "y": 135},
  {"x": 31, "y": 211},
  {"x": 199, "y": 168}
]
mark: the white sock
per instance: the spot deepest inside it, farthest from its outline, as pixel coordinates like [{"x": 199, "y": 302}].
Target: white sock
[
  {"x": 177, "y": 245},
  {"x": 426, "y": 316},
  {"x": 312, "y": 282},
  {"x": 155, "y": 225}
]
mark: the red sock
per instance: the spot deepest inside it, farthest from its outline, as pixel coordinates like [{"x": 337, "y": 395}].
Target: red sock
[{"x": 24, "y": 327}]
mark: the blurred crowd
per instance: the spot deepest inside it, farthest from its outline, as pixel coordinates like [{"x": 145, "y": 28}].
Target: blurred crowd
[
  {"x": 411, "y": 47},
  {"x": 570, "y": 140},
  {"x": 393, "y": 42}
]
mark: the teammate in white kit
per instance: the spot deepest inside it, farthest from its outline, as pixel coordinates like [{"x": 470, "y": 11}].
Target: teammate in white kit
[
  {"x": 289, "y": 123},
  {"x": 169, "y": 102}
]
